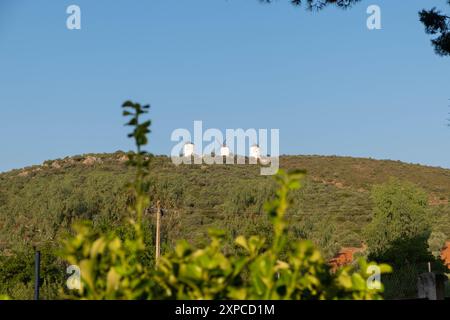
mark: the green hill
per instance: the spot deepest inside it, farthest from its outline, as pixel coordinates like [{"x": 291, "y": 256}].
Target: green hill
[{"x": 39, "y": 203}]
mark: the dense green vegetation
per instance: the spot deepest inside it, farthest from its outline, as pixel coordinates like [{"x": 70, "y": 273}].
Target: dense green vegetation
[{"x": 38, "y": 204}]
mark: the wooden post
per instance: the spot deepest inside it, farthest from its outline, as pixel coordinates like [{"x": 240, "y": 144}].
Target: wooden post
[{"x": 158, "y": 231}]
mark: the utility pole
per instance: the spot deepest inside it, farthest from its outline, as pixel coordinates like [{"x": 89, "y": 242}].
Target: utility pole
[{"x": 158, "y": 231}]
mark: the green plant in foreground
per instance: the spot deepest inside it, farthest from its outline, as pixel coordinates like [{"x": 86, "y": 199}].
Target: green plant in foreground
[{"x": 111, "y": 267}]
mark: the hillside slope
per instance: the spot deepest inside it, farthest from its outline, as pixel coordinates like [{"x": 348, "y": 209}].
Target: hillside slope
[{"x": 38, "y": 203}]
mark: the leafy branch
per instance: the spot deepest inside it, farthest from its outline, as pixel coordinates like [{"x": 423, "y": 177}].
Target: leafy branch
[{"x": 437, "y": 23}]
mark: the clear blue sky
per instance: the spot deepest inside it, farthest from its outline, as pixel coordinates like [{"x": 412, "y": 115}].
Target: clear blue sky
[{"x": 328, "y": 83}]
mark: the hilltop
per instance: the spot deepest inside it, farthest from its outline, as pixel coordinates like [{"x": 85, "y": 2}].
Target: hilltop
[{"x": 38, "y": 203}]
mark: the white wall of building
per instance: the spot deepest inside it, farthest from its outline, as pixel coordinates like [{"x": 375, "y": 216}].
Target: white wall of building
[
  {"x": 225, "y": 151},
  {"x": 188, "y": 149},
  {"x": 255, "y": 152}
]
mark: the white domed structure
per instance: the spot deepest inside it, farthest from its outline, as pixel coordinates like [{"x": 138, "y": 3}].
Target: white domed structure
[
  {"x": 188, "y": 149},
  {"x": 255, "y": 151},
  {"x": 224, "y": 151}
]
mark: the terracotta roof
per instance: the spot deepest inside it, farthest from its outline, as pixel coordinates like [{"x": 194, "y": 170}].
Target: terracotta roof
[{"x": 445, "y": 254}]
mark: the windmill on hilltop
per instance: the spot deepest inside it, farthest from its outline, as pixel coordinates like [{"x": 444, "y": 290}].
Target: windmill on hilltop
[
  {"x": 188, "y": 149},
  {"x": 255, "y": 151},
  {"x": 224, "y": 149}
]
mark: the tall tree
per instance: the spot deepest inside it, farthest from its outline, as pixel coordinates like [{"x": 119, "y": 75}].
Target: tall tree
[
  {"x": 399, "y": 233},
  {"x": 438, "y": 24}
]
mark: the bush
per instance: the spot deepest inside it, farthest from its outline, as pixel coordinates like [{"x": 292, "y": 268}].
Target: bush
[{"x": 400, "y": 226}]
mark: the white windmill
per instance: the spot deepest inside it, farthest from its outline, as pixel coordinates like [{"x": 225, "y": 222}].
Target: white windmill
[
  {"x": 224, "y": 150},
  {"x": 255, "y": 151},
  {"x": 188, "y": 149}
]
